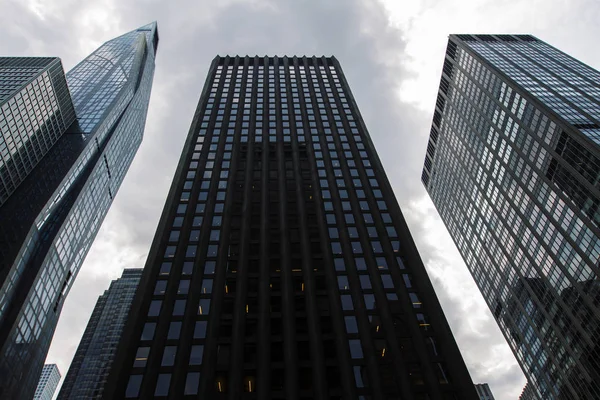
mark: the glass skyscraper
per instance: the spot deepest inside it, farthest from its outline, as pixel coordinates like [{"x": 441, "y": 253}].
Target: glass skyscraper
[
  {"x": 513, "y": 167},
  {"x": 94, "y": 356},
  {"x": 282, "y": 267},
  {"x": 35, "y": 110},
  {"x": 58, "y": 200}
]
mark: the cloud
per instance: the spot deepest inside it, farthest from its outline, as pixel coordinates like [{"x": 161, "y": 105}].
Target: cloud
[{"x": 391, "y": 53}]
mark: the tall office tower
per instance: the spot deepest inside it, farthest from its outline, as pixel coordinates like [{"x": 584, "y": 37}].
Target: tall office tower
[
  {"x": 528, "y": 393},
  {"x": 512, "y": 166},
  {"x": 93, "y": 359},
  {"x": 50, "y": 219},
  {"x": 47, "y": 383},
  {"x": 484, "y": 392},
  {"x": 282, "y": 266}
]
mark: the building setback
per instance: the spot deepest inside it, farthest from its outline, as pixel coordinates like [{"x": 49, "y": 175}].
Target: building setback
[
  {"x": 282, "y": 266},
  {"x": 512, "y": 166},
  {"x": 94, "y": 356},
  {"x": 484, "y": 392},
  {"x": 64, "y": 151},
  {"x": 527, "y": 393},
  {"x": 47, "y": 383}
]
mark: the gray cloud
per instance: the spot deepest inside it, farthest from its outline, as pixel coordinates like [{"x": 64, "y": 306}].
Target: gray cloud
[{"x": 374, "y": 56}]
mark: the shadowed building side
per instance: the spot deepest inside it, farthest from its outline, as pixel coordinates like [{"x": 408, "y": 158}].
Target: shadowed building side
[{"x": 282, "y": 266}]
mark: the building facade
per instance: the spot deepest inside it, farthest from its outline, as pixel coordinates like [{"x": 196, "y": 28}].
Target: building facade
[
  {"x": 48, "y": 382},
  {"x": 282, "y": 266},
  {"x": 35, "y": 110},
  {"x": 484, "y": 392},
  {"x": 49, "y": 221},
  {"x": 94, "y": 356},
  {"x": 513, "y": 166},
  {"x": 528, "y": 393}
]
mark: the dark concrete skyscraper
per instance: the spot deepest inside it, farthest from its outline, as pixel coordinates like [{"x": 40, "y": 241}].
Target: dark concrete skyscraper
[
  {"x": 94, "y": 356},
  {"x": 513, "y": 167},
  {"x": 62, "y": 161},
  {"x": 282, "y": 267}
]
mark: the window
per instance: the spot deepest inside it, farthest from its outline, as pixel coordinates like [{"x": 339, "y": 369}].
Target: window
[
  {"x": 407, "y": 280},
  {"x": 365, "y": 281},
  {"x": 351, "y": 325},
  {"x": 154, "y": 309},
  {"x": 209, "y": 267},
  {"x": 165, "y": 268},
  {"x": 200, "y": 329},
  {"x": 184, "y": 286},
  {"x": 207, "y": 285},
  {"x": 347, "y": 302},
  {"x": 162, "y": 385},
  {"x": 212, "y": 250},
  {"x": 141, "y": 357},
  {"x": 168, "y": 359},
  {"x": 174, "y": 236},
  {"x": 191, "y": 383},
  {"x": 133, "y": 386},
  {"x": 416, "y": 302},
  {"x": 148, "y": 332},
  {"x": 336, "y": 248},
  {"x": 179, "y": 307},
  {"x": 355, "y": 349},
  {"x": 174, "y": 330},
  {"x": 204, "y": 307},
  {"x": 369, "y": 301},
  {"x": 343, "y": 282},
  {"x": 191, "y": 251},
  {"x": 358, "y": 376},
  {"x": 387, "y": 281},
  {"x": 170, "y": 251},
  {"x": 377, "y": 247},
  {"x": 381, "y": 263},
  {"x": 160, "y": 287},
  {"x": 188, "y": 268},
  {"x": 361, "y": 265},
  {"x": 196, "y": 354}
]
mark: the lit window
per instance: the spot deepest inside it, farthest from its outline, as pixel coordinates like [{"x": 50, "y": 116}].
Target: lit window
[{"x": 141, "y": 357}]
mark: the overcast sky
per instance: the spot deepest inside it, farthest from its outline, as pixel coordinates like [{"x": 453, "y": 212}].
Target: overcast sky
[{"x": 391, "y": 52}]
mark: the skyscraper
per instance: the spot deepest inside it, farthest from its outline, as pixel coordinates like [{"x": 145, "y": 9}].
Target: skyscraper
[
  {"x": 527, "y": 393},
  {"x": 47, "y": 383},
  {"x": 282, "y": 266},
  {"x": 92, "y": 362},
  {"x": 35, "y": 110},
  {"x": 512, "y": 166},
  {"x": 484, "y": 392},
  {"x": 57, "y": 201}
]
